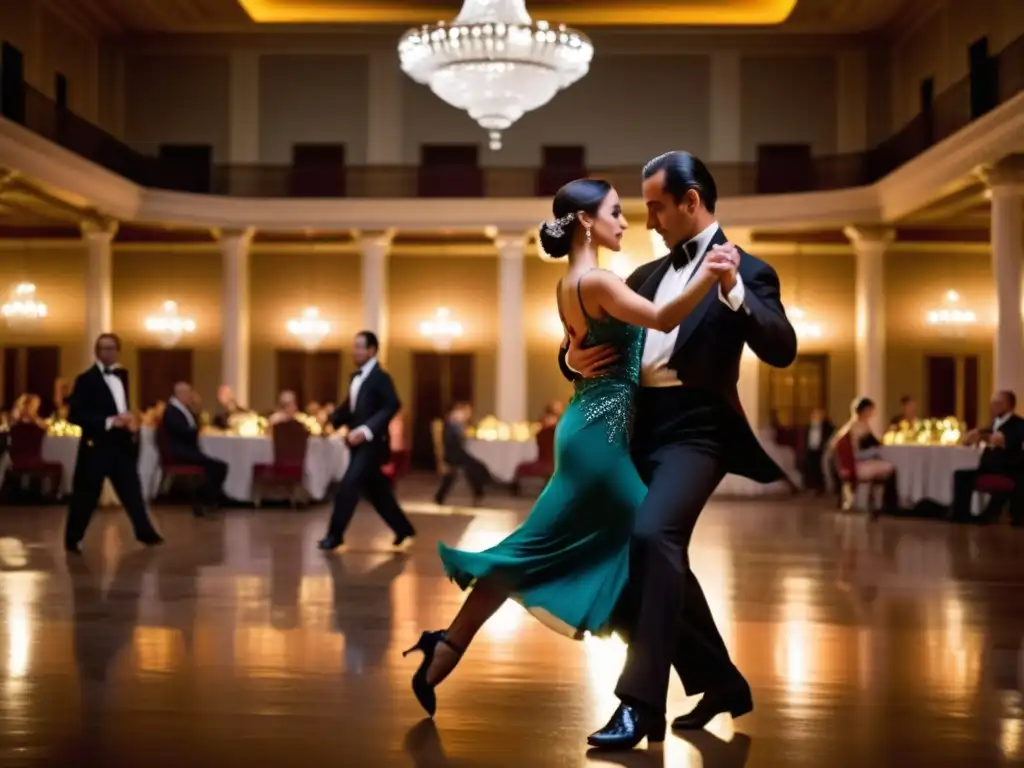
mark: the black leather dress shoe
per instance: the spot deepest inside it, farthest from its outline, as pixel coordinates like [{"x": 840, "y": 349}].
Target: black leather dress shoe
[
  {"x": 401, "y": 538},
  {"x": 627, "y": 728},
  {"x": 327, "y": 543},
  {"x": 152, "y": 540},
  {"x": 736, "y": 701},
  {"x": 73, "y": 549}
]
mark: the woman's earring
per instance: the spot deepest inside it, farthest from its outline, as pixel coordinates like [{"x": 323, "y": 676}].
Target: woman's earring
[{"x": 587, "y": 235}]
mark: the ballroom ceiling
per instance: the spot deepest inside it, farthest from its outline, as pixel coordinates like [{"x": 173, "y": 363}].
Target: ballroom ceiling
[{"x": 121, "y": 17}]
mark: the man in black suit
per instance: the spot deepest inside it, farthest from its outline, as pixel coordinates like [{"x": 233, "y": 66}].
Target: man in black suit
[
  {"x": 182, "y": 434},
  {"x": 371, "y": 404},
  {"x": 108, "y": 448},
  {"x": 1003, "y": 455},
  {"x": 458, "y": 458},
  {"x": 816, "y": 439},
  {"x": 690, "y": 430}
]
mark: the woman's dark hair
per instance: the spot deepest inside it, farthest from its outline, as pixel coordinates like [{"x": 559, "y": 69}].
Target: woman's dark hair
[
  {"x": 684, "y": 172},
  {"x": 861, "y": 404},
  {"x": 584, "y": 195}
]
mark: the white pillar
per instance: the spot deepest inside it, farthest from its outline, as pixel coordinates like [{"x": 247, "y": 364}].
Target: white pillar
[
  {"x": 870, "y": 244},
  {"x": 384, "y": 111},
  {"x": 511, "y": 399},
  {"x": 234, "y": 355},
  {"x": 1006, "y": 181},
  {"x": 749, "y": 385},
  {"x": 244, "y": 109},
  {"x": 851, "y": 102},
  {"x": 99, "y": 301},
  {"x": 375, "y": 249},
  {"x": 726, "y": 107}
]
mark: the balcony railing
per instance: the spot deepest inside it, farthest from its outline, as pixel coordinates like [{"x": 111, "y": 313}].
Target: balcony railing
[{"x": 954, "y": 109}]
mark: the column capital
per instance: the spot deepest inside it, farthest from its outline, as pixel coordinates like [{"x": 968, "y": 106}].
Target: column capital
[
  {"x": 375, "y": 243},
  {"x": 869, "y": 236},
  {"x": 1005, "y": 175},
  {"x": 234, "y": 238},
  {"x": 510, "y": 246},
  {"x": 99, "y": 228}
]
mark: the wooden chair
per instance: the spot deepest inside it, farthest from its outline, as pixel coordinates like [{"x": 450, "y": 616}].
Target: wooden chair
[
  {"x": 290, "y": 441},
  {"x": 26, "y": 452},
  {"x": 543, "y": 466},
  {"x": 191, "y": 474},
  {"x": 846, "y": 468}
]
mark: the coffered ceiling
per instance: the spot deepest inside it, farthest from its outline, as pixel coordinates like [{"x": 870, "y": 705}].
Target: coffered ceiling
[{"x": 122, "y": 17}]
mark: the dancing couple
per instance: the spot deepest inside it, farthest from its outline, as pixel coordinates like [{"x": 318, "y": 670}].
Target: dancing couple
[{"x": 654, "y": 425}]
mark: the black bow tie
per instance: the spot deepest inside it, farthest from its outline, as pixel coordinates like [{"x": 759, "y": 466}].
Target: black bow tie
[
  {"x": 684, "y": 254},
  {"x": 108, "y": 371}
]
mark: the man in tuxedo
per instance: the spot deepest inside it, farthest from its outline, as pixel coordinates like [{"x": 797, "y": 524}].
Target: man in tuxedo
[
  {"x": 181, "y": 432},
  {"x": 371, "y": 404},
  {"x": 816, "y": 438},
  {"x": 458, "y": 458},
  {"x": 108, "y": 448},
  {"x": 690, "y": 430},
  {"x": 1003, "y": 455}
]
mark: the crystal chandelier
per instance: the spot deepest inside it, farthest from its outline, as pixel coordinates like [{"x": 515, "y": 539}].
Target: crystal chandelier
[
  {"x": 804, "y": 328},
  {"x": 442, "y": 330},
  {"x": 494, "y": 62},
  {"x": 951, "y": 314},
  {"x": 22, "y": 308},
  {"x": 169, "y": 326},
  {"x": 310, "y": 329}
]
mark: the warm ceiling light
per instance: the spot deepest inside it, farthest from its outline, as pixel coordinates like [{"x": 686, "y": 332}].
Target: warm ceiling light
[
  {"x": 637, "y": 12},
  {"x": 310, "y": 329},
  {"x": 22, "y": 308},
  {"x": 951, "y": 314},
  {"x": 168, "y": 326},
  {"x": 441, "y": 330}
]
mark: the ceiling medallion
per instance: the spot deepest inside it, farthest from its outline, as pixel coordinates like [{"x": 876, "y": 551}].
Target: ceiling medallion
[{"x": 495, "y": 62}]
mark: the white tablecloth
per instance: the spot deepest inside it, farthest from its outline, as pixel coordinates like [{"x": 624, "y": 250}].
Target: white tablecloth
[
  {"x": 502, "y": 457},
  {"x": 326, "y": 461},
  {"x": 926, "y": 471}
]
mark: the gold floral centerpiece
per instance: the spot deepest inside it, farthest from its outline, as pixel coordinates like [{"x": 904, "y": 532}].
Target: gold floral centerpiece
[
  {"x": 947, "y": 431},
  {"x": 490, "y": 428},
  {"x": 62, "y": 428},
  {"x": 247, "y": 425}
]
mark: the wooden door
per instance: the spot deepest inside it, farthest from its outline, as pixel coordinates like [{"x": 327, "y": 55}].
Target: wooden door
[
  {"x": 450, "y": 170},
  {"x": 42, "y": 369},
  {"x": 796, "y": 391},
  {"x": 12, "y": 83},
  {"x": 439, "y": 380},
  {"x": 560, "y": 165},
  {"x": 940, "y": 378},
  {"x": 971, "y": 390},
  {"x": 158, "y": 371},
  {"x": 984, "y": 78},
  {"x": 318, "y": 170},
  {"x": 310, "y": 375}
]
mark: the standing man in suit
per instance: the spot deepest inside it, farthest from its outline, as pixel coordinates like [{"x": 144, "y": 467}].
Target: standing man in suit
[
  {"x": 1003, "y": 455},
  {"x": 816, "y": 439},
  {"x": 367, "y": 411},
  {"x": 108, "y": 448},
  {"x": 181, "y": 432},
  {"x": 453, "y": 438},
  {"x": 690, "y": 430}
]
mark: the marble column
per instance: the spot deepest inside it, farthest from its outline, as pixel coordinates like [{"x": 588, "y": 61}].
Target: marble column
[
  {"x": 726, "y": 107},
  {"x": 99, "y": 302},
  {"x": 870, "y": 244},
  {"x": 511, "y": 379},
  {"x": 1006, "y": 182},
  {"x": 234, "y": 360},
  {"x": 375, "y": 249},
  {"x": 244, "y": 109},
  {"x": 852, "y": 98}
]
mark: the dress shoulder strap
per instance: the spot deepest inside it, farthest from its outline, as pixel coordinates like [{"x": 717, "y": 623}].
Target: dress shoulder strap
[{"x": 579, "y": 294}]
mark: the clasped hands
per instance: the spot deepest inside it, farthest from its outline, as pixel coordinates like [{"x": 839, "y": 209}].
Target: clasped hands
[
  {"x": 126, "y": 420},
  {"x": 721, "y": 260}
]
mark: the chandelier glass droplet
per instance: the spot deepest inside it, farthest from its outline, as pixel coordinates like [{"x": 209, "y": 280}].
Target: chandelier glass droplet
[
  {"x": 495, "y": 62},
  {"x": 310, "y": 329},
  {"x": 22, "y": 308},
  {"x": 168, "y": 327}
]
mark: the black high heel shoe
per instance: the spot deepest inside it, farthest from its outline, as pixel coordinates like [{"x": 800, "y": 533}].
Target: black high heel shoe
[{"x": 428, "y": 643}]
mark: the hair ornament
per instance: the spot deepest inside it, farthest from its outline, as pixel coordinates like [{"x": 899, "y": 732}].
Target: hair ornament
[{"x": 556, "y": 227}]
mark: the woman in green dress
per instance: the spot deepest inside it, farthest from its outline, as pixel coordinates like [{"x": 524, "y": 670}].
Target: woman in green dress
[{"x": 568, "y": 562}]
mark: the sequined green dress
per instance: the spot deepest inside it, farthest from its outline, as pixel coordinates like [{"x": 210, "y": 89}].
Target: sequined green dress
[{"x": 569, "y": 560}]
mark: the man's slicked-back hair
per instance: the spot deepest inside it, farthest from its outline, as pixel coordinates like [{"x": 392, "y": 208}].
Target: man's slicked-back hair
[
  {"x": 370, "y": 339},
  {"x": 684, "y": 172}
]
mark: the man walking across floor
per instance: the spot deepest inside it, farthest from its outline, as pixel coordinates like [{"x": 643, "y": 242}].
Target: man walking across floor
[
  {"x": 371, "y": 404},
  {"x": 108, "y": 448}
]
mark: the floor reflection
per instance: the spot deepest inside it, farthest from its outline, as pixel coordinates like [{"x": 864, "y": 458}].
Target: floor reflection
[{"x": 240, "y": 641}]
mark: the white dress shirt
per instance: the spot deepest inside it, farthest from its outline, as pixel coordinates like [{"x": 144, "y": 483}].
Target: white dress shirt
[
  {"x": 654, "y": 370},
  {"x": 814, "y": 436},
  {"x": 997, "y": 423},
  {"x": 187, "y": 413},
  {"x": 353, "y": 393},
  {"x": 116, "y": 387}
]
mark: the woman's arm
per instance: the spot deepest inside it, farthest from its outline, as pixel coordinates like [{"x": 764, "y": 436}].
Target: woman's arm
[{"x": 619, "y": 301}]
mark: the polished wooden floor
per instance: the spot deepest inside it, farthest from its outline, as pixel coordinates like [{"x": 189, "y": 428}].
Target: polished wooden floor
[{"x": 895, "y": 643}]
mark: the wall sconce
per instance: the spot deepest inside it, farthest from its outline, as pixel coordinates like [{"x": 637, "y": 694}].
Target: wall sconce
[
  {"x": 169, "y": 326},
  {"x": 804, "y": 328},
  {"x": 310, "y": 329},
  {"x": 951, "y": 314},
  {"x": 441, "y": 330}
]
